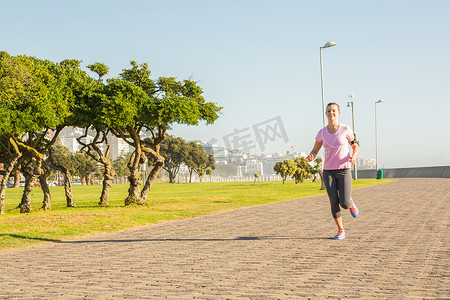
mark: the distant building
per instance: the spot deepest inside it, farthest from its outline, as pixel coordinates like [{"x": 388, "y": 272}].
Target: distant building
[
  {"x": 246, "y": 163},
  {"x": 254, "y": 166},
  {"x": 220, "y": 155},
  {"x": 366, "y": 163},
  {"x": 118, "y": 146},
  {"x": 269, "y": 160},
  {"x": 209, "y": 149}
]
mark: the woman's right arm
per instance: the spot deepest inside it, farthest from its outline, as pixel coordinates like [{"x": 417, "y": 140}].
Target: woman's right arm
[{"x": 314, "y": 151}]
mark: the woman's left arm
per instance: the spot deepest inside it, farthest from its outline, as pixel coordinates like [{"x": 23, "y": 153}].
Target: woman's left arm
[{"x": 355, "y": 147}]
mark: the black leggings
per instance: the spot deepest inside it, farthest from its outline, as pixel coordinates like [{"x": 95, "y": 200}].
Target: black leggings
[{"x": 339, "y": 189}]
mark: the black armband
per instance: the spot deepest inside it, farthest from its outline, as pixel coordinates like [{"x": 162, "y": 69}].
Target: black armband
[{"x": 355, "y": 141}]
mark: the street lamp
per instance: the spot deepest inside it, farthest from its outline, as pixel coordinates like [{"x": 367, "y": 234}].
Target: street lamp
[
  {"x": 327, "y": 45},
  {"x": 351, "y": 104},
  {"x": 376, "y": 135}
]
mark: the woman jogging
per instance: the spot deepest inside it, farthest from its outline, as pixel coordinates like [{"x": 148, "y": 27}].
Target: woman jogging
[{"x": 337, "y": 177}]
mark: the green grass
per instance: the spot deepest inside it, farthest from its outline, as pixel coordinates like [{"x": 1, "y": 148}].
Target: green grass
[{"x": 165, "y": 202}]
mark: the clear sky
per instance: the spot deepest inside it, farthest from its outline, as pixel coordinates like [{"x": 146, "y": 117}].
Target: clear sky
[{"x": 260, "y": 60}]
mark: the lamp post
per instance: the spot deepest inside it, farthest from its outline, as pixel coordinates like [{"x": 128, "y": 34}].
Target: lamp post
[
  {"x": 327, "y": 45},
  {"x": 376, "y": 135},
  {"x": 351, "y": 104}
]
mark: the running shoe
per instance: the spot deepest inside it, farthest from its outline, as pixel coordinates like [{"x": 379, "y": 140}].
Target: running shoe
[
  {"x": 354, "y": 210},
  {"x": 340, "y": 235}
]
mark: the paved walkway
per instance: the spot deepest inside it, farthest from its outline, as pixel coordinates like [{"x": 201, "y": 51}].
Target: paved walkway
[{"x": 398, "y": 248}]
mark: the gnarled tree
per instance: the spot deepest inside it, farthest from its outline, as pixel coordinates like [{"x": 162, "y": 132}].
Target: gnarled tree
[
  {"x": 198, "y": 161},
  {"x": 49, "y": 99},
  {"x": 285, "y": 168},
  {"x": 302, "y": 170},
  {"x": 37, "y": 104},
  {"x": 175, "y": 151},
  {"x": 135, "y": 104},
  {"x": 14, "y": 81},
  {"x": 89, "y": 116},
  {"x": 61, "y": 159}
]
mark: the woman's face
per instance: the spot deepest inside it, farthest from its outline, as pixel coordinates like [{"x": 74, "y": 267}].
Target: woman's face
[{"x": 332, "y": 112}]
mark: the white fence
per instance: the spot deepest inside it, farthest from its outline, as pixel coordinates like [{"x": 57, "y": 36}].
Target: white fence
[{"x": 183, "y": 178}]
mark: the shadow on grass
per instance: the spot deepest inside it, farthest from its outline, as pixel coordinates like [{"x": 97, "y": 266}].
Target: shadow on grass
[
  {"x": 24, "y": 237},
  {"x": 241, "y": 238}
]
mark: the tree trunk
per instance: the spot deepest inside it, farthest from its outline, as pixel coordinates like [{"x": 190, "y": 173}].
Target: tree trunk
[
  {"x": 68, "y": 187},
  {"x": 151, "y": 178},
  {"x": 107, "y": 183},
  {"x": 88, "y": 179},
  {"x": 3, "y": 184},
  {"x": 17, "y": 177},
  {"x": 47, "y": 202},
  {"x": 4, "y": 181},
  {"x": 137, "y": 159},
  {"x": 25, "y": 204},
  {"x": 134, "y": 193},
  {"x": 172, "y": 176},
  {"x": 31, "y": 169}
]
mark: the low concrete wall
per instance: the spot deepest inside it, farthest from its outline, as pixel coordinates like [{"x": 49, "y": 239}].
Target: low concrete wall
[{"x": 424, "y": 172}]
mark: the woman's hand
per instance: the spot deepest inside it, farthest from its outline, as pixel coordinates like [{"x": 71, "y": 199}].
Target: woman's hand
[
  {"x": 352, "y": 159},
  {"x": 314, "y": 152},
  {"x": 309, "y": 158}
]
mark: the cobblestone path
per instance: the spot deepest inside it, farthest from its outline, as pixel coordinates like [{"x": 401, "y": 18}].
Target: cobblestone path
[{"x": 398, "y": 248}]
